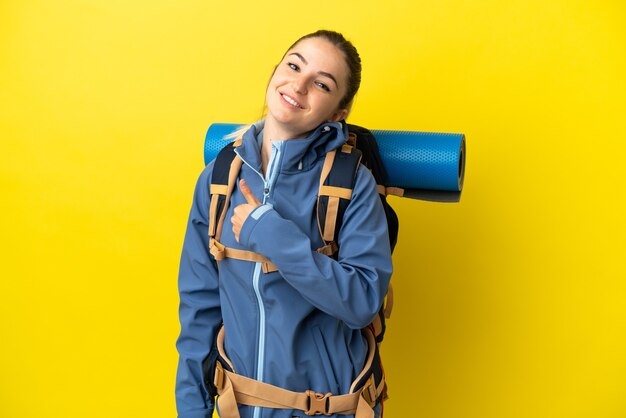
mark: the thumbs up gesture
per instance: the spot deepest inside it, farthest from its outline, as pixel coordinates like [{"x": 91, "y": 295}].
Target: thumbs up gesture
[{"x": 242, "y": 211}]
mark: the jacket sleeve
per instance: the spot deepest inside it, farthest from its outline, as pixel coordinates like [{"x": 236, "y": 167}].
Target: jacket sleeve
[
  {"x": 351, "y": 288},
  {"x": 199, "y": 309}
]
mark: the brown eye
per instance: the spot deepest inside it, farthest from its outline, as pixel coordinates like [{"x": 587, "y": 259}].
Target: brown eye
[{"x": 322, "y": 86}]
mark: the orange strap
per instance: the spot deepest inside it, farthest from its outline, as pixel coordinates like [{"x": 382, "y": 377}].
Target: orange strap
[
  {"x": 386, "y": 191},
  {"x": 329, "y": 230},
  {"x": 330, "y": 223},
  {"x": 328, "y": 249},
  {"x": 216, "y": 220},
  {"x": 220, "y": 252},
  {"x": 235, "y": 389},
  {"x": 389, "y": 302},
  {"x": 235, "y": 167},
  {"x": 377, "y": 323},
  {"x": 332, "y": 208},
  {"x": 333, "y": 191},
  {"x": 351, "y": 139}
]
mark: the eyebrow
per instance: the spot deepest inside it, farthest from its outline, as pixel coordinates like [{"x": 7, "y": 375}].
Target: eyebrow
[{"x": 322, "y": 73}]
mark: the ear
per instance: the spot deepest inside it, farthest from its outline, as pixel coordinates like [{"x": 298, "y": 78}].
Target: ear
[{"x": 341, "y": 114}]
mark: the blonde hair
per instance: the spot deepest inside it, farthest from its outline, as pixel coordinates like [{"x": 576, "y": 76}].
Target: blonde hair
[{"x": 238, "y": 133}]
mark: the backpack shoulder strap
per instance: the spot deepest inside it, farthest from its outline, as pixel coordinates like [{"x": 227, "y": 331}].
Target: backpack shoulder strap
[
  {"x": 335, "y": 192},
  {"x": 364, "y": 141},
  {"x": 223, "y": 179}
]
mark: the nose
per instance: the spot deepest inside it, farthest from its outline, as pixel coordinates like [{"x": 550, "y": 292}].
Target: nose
[{"x": 299, "y": 85}]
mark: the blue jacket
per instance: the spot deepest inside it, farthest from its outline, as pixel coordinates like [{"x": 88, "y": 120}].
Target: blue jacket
[{"x": 299, "y": 327}]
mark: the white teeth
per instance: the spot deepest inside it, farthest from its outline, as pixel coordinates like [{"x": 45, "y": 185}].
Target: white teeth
[{"x": 291, "y": 101}]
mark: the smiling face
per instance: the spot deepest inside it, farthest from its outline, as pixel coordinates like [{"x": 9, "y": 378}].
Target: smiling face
[{"x": 307, "y": 87}]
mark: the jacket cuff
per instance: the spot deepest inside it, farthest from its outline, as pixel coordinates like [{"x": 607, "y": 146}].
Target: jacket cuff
[{"x": 251, "y": 221}]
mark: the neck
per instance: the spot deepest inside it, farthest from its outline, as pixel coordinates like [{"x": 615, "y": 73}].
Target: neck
[{"x": 275, "y": 131}]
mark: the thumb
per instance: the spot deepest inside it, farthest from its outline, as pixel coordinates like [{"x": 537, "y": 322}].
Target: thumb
[{"x": 247, "y": 193}]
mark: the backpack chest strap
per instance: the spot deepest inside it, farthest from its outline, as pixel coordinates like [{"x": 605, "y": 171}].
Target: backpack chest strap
[{"x": 220, "y": 252}]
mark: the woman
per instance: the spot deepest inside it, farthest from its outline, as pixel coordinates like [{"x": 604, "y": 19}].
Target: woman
[{"x": 298, "y": 328}]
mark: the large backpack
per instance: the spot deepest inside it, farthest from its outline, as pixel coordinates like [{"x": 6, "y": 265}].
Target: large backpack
[{"x": 336, "y": 184}]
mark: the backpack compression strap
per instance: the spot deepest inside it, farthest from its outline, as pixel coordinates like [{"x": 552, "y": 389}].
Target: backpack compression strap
[
  {"x": 223, "y": 180},
  {"x": 335, "y": 192}
]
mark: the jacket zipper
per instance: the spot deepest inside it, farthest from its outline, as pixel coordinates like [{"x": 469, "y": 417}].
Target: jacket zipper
[{"x": 268, "y": 183}]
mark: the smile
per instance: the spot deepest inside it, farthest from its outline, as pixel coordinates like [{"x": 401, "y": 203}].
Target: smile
[{"x": 291, "y": 101}]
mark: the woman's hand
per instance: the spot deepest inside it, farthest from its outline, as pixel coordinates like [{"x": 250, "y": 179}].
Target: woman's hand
[{"x": 242, "y": 211}]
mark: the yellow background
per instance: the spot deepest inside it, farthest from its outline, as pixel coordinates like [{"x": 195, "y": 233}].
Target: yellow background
[{"x": 508, "y": 304}]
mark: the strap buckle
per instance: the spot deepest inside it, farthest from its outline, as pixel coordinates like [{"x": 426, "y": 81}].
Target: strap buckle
[
  {"x": 329, "y": 249},
  {"x": 317, "y": 403},
  {"x": 217, "y": 250},
  {"x": 368, "y": 391},
  {"x": 218, "y": 379}
]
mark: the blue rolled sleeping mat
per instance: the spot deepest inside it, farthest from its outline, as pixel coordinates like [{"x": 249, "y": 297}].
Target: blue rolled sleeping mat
[{"x": 420, "y": 165}]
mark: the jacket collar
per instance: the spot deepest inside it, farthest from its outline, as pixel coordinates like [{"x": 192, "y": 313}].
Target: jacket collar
[{"x": 326, "y": 137}]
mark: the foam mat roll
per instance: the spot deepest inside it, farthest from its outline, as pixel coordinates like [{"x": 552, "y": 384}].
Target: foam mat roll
[
  {"x": 427, "y": 165},
  {"x": 215, "y": 139}
]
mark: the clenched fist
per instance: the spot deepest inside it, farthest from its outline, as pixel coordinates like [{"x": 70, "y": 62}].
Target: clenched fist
[{"x": 243, "y": 211}]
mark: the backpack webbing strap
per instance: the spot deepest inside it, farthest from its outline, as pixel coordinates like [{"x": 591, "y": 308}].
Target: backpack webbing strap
[
  {"x": 378, "y": 323},
  {"x": 327, "y": 234},
  {"x": 223, "y": 180},
  {"x": 386, "y": 191},
  {"x": 389, "y": 302},
  {"x": 335, "y": 192},
  {"x": 235, "y": 389},
  {"x": 351, "y": 139},
  {"x": 220, "y": 252}
]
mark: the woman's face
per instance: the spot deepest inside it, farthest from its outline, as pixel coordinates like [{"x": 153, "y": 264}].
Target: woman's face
[{"x": 307, "y": 86}]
